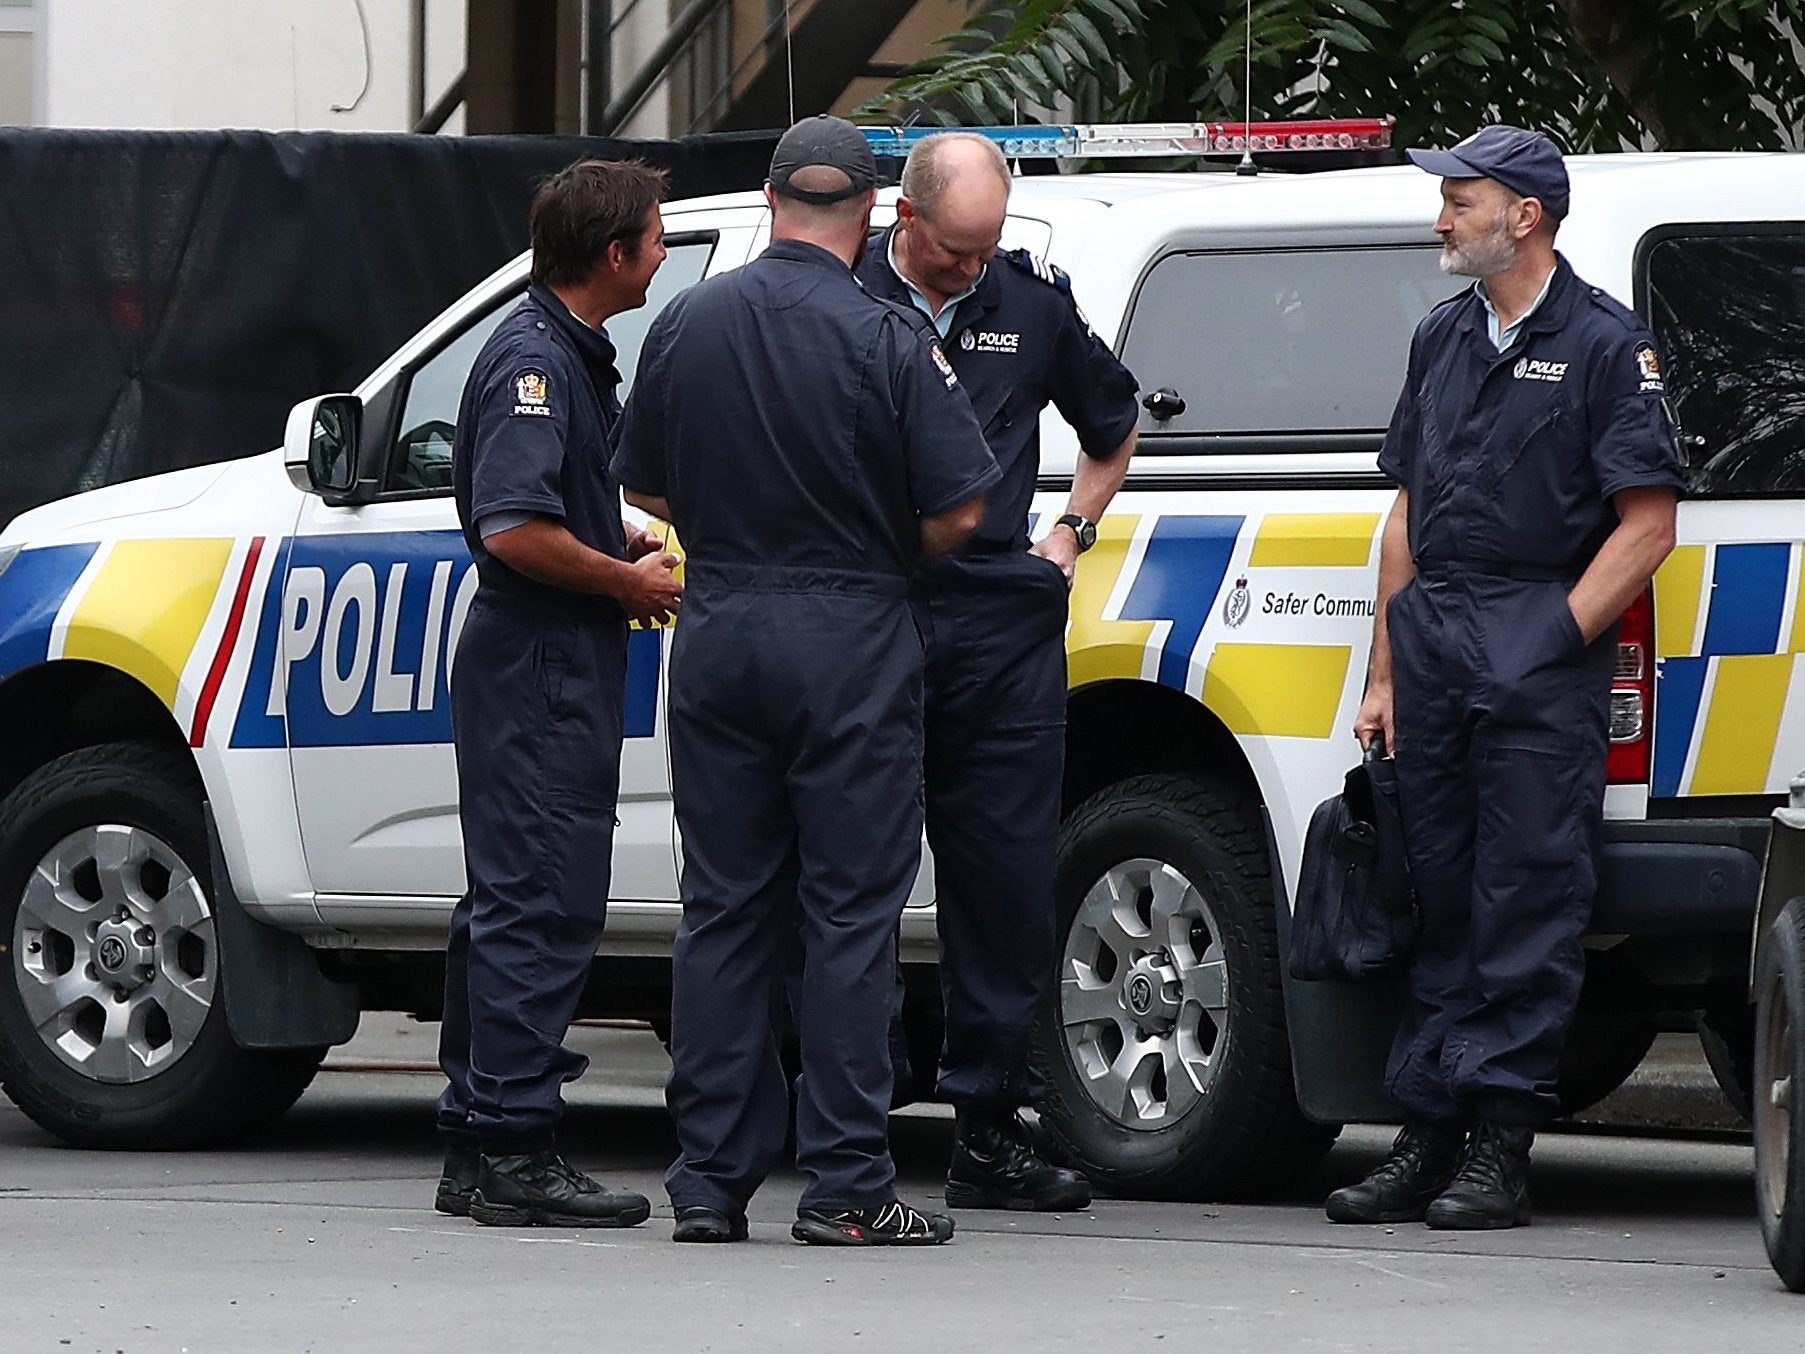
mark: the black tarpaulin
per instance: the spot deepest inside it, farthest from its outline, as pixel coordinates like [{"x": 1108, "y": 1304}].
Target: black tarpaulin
[{"x": 166, "y": 297}]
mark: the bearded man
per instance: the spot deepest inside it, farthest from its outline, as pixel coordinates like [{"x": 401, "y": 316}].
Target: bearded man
[{"x": 1537, "y": 478}]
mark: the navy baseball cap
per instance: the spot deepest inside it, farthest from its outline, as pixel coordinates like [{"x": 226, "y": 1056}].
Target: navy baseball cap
[
  {"x": 823, "y": 159},
  {"x": 1527, "y": 163}
]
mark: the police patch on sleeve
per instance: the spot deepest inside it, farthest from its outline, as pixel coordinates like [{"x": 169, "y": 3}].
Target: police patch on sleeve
[
  {"x": 946, "y": 367},
  {"x": 532, "y": 394},
  {"x": 1648, "y": 370}
]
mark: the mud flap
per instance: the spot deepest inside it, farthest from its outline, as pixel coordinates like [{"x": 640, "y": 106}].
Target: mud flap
[{"x": 275, "y": 994}]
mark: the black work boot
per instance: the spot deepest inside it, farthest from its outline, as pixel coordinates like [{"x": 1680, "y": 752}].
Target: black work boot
[
  {"x": 1423, "y": 1160},
  {"x": 457, "y": 1181},
  {"x": 542, "y": 1189},
  {"x": 1491, "y": 1186},
  {"x": 708, "y": 1226},
  {"x": 995, "y": 1166},
  {"x": 891, "y": 1224}
]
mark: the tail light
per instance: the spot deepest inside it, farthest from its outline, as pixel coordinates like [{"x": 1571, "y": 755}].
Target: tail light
[{"x": 1633, "y": 694}]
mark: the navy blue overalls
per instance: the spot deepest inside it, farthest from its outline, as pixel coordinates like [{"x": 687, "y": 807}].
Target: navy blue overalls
[
  {"x": 993, "y": 618},
  {"x": 1510, "y": 460},
  {"x": 798, "y": 429},
  {"x": 537, "y": 690}
]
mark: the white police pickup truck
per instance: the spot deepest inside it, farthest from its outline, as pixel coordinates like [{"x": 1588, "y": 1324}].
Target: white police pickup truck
[{"x": 229, "y": 810}]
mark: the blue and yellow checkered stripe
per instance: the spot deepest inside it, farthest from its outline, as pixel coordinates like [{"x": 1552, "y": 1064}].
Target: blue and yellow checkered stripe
[
  {"x": 1169, "y": 574},
  {"x": 1729, "y": 630}
]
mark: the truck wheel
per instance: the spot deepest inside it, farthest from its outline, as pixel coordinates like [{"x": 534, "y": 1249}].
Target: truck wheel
[
  {"x": 112, "y": 1025},
  {"x": 1166, "y": 1049},
  {"x": 1779, "y": 1077},
  {"x": 1612, "y": 1032},
  {"x": 1728, "y": 1038}
]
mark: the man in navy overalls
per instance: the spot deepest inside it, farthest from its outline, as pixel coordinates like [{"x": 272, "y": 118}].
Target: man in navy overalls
[
  {"x": 993, "y": 615},
  {"x": 810, "y": 444},
  {"x": 1537, "y": 478},
  {"x": 537, "y": 689}
]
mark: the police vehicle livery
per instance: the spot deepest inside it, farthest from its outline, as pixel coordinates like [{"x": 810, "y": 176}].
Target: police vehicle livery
[{"x": 227, "y": 800}]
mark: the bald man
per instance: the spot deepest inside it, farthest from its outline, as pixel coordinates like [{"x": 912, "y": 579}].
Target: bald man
[{"x": 993, "y": 616}]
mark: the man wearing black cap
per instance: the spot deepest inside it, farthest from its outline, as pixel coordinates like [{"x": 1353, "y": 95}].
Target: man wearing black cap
[
  {"x": 810, "y": 444},
  {"x": 1537, "y": 475}
]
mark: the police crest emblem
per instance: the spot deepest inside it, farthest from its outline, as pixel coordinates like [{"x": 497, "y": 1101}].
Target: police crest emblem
[
  {"x": 1236, "y": 606},
  {"x": 1648, "y": 369},
  {"x": 529, "y": 387}
]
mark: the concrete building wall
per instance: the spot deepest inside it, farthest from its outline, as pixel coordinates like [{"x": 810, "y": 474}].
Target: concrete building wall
[
  {"x": 268, "y": 64},
  {"x": 21, "y": 57}
]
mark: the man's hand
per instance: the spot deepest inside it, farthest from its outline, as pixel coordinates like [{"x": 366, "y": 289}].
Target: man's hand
[
  {"x": 643, "y": 542},
  {"x": 652, "y": 593},
  {"x": 1374, "y": 716},
  {"x": 1061, "y": 546}
]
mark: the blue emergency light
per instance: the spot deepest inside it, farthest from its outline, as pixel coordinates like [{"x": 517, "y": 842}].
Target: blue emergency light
[{"x": 1155, "y": 138}]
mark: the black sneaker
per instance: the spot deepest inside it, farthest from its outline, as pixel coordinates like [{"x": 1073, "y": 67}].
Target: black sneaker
[
  {"x": 1491, "y": 1187},
  {"x": 995, "y": 1166},
  {"x": 700, "y": 1223},
  {"x": 1399, "y": 1189},
  {"x": 892, "y": 1224},
  {"x": 542, "y": 1189},
  {"x": 457, "y": 1181}
]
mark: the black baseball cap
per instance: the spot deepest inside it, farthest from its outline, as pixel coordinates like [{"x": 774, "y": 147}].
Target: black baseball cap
[
  {"x": 829, "y": 144},
  {"x": 1526, "y": 162}
]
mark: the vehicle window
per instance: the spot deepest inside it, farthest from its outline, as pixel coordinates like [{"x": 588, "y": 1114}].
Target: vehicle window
[
  {"x": 1281, "y": 341},
  {"x": 420, "y": 461},
  {"x": 1727, "y": 306}
]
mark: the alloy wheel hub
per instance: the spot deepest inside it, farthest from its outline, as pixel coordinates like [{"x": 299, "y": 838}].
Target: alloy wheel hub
[
  {"x": 113, "y": 953},
  {"x": 1151, "y": 994},
  {"x": 123, "y": 955},
  {"x": 1143, "y": 994}
]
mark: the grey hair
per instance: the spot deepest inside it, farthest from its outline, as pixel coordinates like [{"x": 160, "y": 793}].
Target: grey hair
[{"x": 924, "y": 177}]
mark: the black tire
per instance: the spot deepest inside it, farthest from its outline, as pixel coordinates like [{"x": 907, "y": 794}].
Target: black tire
[
  {"x": 1243, "y": 1135},
  {"x": 1728, "y": 1038},
  {"x": 1780, "y": 1061},
  {"x": 210, "y": 1090},
  {"x": 1611, "y": 1033},
  {"x": 1599, "y": 1059}
]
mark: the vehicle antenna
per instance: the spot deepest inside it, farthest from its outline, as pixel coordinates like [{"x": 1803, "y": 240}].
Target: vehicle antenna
[
  {"x": 1247, "y": 165},
  {"x": 789, "y": 61}
]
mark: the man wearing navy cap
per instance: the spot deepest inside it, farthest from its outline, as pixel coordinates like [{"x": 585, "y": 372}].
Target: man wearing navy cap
[
  {"x": 810, "y": 444},
  {"x": 1537, "y": 477}
]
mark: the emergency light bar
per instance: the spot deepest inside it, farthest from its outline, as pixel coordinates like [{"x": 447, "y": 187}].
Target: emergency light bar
[{"x": 1155, "y": 138}]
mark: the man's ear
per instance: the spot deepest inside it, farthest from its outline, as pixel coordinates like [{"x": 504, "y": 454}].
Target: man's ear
[
  {"x": 616, "y": 256},
  {"x": 905, "y": 210},
  {"x": 1530, "y": 215}
]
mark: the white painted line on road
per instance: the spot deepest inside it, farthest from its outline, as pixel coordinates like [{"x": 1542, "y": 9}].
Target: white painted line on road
[
  {"x": 521, "y": 1240},
  {"x": 1396, "y": 1274}
]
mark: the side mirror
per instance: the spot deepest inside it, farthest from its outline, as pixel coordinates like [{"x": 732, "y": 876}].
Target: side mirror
[{"x": 320, "y": 445}]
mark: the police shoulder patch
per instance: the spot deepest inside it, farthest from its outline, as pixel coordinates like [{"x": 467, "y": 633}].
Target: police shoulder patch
[
  {"x": 947, "y": 373},
  {"x": 1648, "y": 370},
  {"x": 532, "y": 393}
]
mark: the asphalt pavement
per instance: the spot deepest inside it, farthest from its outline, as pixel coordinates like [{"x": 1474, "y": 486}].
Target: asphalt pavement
[{"x": 321, "y": 1237}]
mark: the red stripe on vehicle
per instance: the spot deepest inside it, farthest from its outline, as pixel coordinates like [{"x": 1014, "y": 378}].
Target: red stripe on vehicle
[{"x": 216, "y": 675}]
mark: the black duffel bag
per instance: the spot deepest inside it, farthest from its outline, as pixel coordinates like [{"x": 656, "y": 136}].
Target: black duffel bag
[{"x": 1356, "y": 914}]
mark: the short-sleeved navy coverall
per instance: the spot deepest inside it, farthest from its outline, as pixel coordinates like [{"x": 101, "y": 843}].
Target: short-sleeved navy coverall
[
  {"x": 537, "y": 691},
  {"x": 1510, "y": 460},
  {"x": 993, "y": 618},
  {"x": 799, "y": 429}
]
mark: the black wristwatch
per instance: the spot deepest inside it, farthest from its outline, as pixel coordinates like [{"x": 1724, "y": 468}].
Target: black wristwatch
[{"x": 1082, "y": 527}]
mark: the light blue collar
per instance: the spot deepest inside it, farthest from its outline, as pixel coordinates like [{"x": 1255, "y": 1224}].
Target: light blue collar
[{"x": 1505, "y": 340}]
